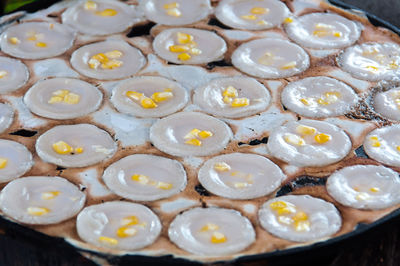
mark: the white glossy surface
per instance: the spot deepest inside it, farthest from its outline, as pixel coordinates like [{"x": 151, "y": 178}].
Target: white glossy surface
[
  {"x": 6, "y": 116},
  {"x": 16, "y": 76},
  {"x": 385, "y": 103},
  {"x": 19, "y": 160}
]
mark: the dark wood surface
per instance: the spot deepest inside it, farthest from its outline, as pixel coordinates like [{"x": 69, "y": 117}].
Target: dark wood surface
[{"x": 379, "y": 246}]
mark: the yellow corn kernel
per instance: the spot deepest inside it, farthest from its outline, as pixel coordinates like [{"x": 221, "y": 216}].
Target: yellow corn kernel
[
  {"x": 304, "y": 101},
  {"x": 286, "y": 210},
  {"x": 356, "y": 189},
  {"x": 41, "y": 44},
  {"x": 302, "y": 226},
  {"x": 37, "y": 211},
  {"x": 32, "y": 38},
  {"x": 374, "y": 189},
  {"x": 305, "y": 130},
  {"x": 102, "y": 58},
  {"x": 240, "y": 102},
  {"x": 320, "y": 33},
  {"x": 218, "y": 238},
  {"x": 230, "y": 91},
  {"x": 161, "y": 96},
  {"x": 113, "y": 54},
  {"x": 51, "y": 26},
  {"x": 174, "y": 12},
  {"x": 209, "y": 227},
  {"x": 195, "y": 51},
  {"x": 227, "y": 100},
  {"x": 192, "y": 134},
  {"x": 249, "y": 17},
  {"x": 259, "y": 10},
  {"x": 374, "y": 138},
  {"x": 142, "y": 179},
  {"x": 323, "y": 26},
  {"x": 72, "y": 98},
  {"x": 289, "y": 65},
  {"x": 171, "y": 5},
  {"x": 14, "y": 40},
  {"x": 93, "y": 63},
  {"x": 50, "y": 195},
  {"x": 322, "y": 138},
  {"x": 90, "y": 5},
  {"x": 300, "y": 216},
  {"x": 278, "y": 205},
  {"x": 362, "y": 196},
  {"x": 79, "y": 150},
  {"x": 393, "y": 65},
  {"x": 108, "y": 12},
  {"x": 285, "y": 220},
  {"x": 62, "y": 147},
  {"x": 398, "y": 148},
  {"x": 288, "y": 20},
  {"x": 240, "y": 185},
  {"x": 108, "y": 240},
  {"x": 184, "y": 38},
  {"x": 375, "y": 141},
  {"x": 3, "y": 73},
  {"x": 178, "y": 48},
  {"x": 184, "y": 56},
  {"x": 55, "y": 99},
  {"x": 222, "y": 167},
  {"x": 262, "y": 22},
  {"x": 3, "y": 163},
  {"x": 147, "y": 103},
  {"x": 164, "y": 185},
  {"x": 130, "y": 220},
  {"x": 133, "y": 95},
  {"x": 111, "y": 64},
  {"x": 294, "y": 139},
  {"x": 322, "y": 101},
  {"x": 194, "y": 142},
  {"x": 61, "y": 93},
  {"x": 205, "y": 134},
  {"x": 372, "y": 68},
  {"x": 337, "y": 34},
  {"x": 123, "y": 232}
]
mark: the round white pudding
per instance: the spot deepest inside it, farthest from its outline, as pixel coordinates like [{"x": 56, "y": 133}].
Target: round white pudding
[
  {"x": 107, "y": 60},
  {"x": 383, "y": 145},
  {"x": 176, "y": 12},
  {"x": 118, "y": 225},
  {"x": 63, "y": 98},
  {"x": 365, "y": 187},
  {"x": 319, "y": 97},
  {"x": 149, "y": 96},
  {"x": 387, "y": 103},
  {"x": 36, "y": 40},
  {"x": 190, "y": 134},
  {"x": 145, "y": 177},
  {"x": 211, "y": 231},
  {"x": 189, "y": 46},
  {"x": 251, "y": 14},
  {"x": 371, "y": 61},
  {"x": 299, "y": 218},
  {"x": 101, "y": 17},
  {"x": 6, "y": 116},
  {"x": 232, "y": 97},
  {"x": 15, "y": 160},
  {"x": 240, "y": 176},
  {"x": 323, "y": 31},
  {"x": 13, "y": 74},
  {"x": 75, "y": 145},
  {"x": 309, "y": 143},
  {"x": 270, "y": 58}
]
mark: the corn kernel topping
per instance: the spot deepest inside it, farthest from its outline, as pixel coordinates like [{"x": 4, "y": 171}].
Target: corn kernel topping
[
  {"x": 259, "y": 10},
  {"x": 184, "y": 56},
  {"x": 294, "y": 139},
  {"x": 375, "y": 141},
  {"x": 194, "y": 142},
  {"x": 209, "y": 227},
  {"x": 222, "y": 167},
  {"x": 230, "y": 91},
  {"x": 162, "y": 96},
  {"x": 3, "y": 163},
  {"x": 50, "y": 195},
  {"x": 218, "y": 238},
  {"x": 305, "y": 130},
  {"x": 64, "y": 96},
  {"x": 108, "y": 12},
  {"x": 142, "y": 179},
  {"x": 164, "y": 185},
  {"x": 106, "y": 60},
  {"x": 147, "y": 103},
  {"x": 288, "y": 20},
  {"x": 108, "y": 240},
  {"x": 171, "y": 5},
  {"x": 184, "y": 38},
  {"x": 14, "y": 40},
  {"x": 374, "y": 189},
  {"x": 123, "y": 232},
  {"x": 90, "y": 5},
  {"x": 289, "y": 65},
  {"x": 62, "y": 147},
  {"x": 322, "y": 138},
  {"x": 130, "y": 220},
  {"x": 41, "y": 44},
  {"x": 37, "y": 211},
  {"x": 249, "y": 17},
  {"x": 240, "y": 102}
]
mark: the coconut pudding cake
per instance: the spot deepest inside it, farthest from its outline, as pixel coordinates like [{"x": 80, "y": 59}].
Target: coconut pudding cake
[{"x": 190, "y": 127}]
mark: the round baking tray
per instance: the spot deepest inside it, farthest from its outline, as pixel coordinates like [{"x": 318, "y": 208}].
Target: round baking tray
[{"x": 20, "y": 245}]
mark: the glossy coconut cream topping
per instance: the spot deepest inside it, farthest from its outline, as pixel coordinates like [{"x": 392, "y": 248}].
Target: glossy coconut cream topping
[
  {"x": 371, "y": 61},
  {"x": 383, "y": 145},
  {"x": 41, "y": 200},
  {"x": 100, "y": 17},
  {"x": 145, "y": 177},
  {"x": 309, "y": 143},
  {"x": 6, "y": 116},
  {"x": 15, "y": 160},
  {"x": 270, "y": 58},
  {"x": 211, "y": 231},
  {"x": 319, "y": 97},
  {"x": 190, "y": 134},
  {"x": 175, "y": 12},
  {"x": 387, "y": 103},
  {"x": 149, "y": 96},
  {"x": 189, "y": 46},
  {"x": 232, "y": 97},
  {"x": 365, "y": 187},
  {"x": 118, "y": 225},
  {"x": 251, "y": 14},
  {"x": 240, "y": 176},
  {"x": 75, "y": 145},
  {"x": 63, "y": 98},
  {"x": 106, "y": 60},
  {"x": 299, "y": 218},
  {"x": 13, "y": 74},
  {"x": 323, "y": 31},
  {"x": 36, "y": 40}
]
